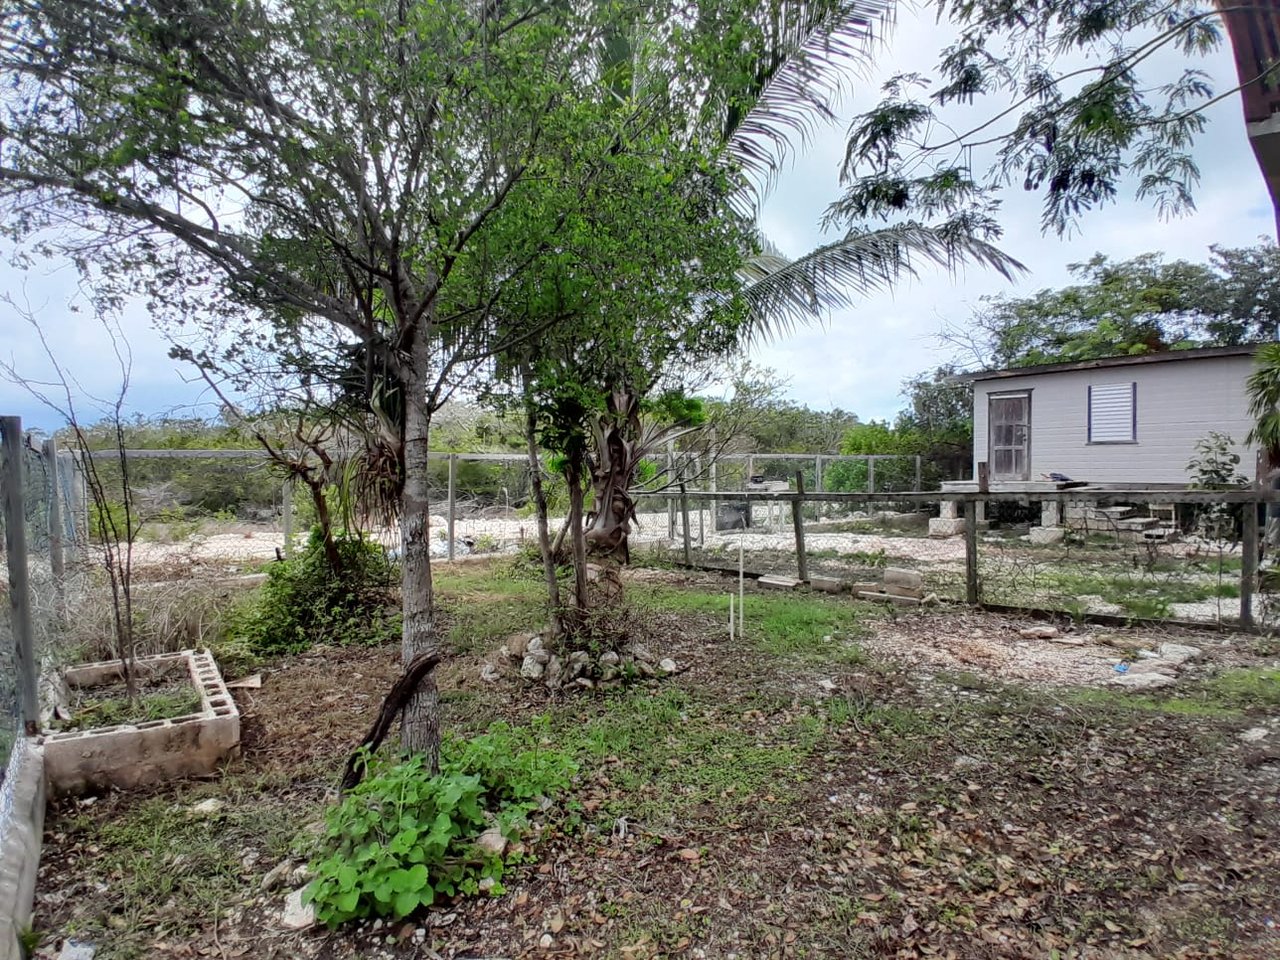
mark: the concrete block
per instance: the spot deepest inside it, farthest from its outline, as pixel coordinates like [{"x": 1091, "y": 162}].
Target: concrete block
[
  {"x": 944, "y": 527},
  {"x": 775, "y": 582},
  {"x": 828, "y": 584},
  {"x": 870, "y": 587},
  {"x": 949, "y": 510},
  {"x": 903, "y": 577},
  {"x": 1042, "y": 536},
  {"x": 132, "y": 755},
  {"x": 898, "y": 590}
]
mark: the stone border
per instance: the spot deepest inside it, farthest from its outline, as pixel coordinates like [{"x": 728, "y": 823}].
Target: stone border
[
  {"x": 21, "y": 827},
  {"x": 132, "y": 755}
]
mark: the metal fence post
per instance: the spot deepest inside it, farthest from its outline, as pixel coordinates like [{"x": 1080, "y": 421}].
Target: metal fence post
[
  {"x": 820, "y": 510},
  {"x": 15, "y": 537},
  {"x": 917, "y": 486},
  {"x": 871, "y": 474},
  {"x": 453, "y": 498},
  {"x": 684, "y": 512},
  {"x": 57, "y": 559},
  {"x": 797, "y": 519}
]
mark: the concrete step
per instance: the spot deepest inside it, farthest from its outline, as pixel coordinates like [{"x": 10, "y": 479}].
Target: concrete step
[{"x": 775, "y": 582}]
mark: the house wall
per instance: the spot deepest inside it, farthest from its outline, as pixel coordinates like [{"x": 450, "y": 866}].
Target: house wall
[{"x": 1178, "y": 403}]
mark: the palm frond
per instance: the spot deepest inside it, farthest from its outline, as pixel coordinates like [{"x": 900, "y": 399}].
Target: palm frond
[
  {"x": 785, "y": 294},
  {"x": 810, "y": 53}
]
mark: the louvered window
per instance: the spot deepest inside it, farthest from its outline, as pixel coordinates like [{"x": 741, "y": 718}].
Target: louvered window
[{"x": 1113, "y": 413}]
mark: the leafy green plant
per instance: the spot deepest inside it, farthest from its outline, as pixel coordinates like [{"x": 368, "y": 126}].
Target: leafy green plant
[
  {"x": 305, "y": 601},
  {"x": 403, "y": 837}
]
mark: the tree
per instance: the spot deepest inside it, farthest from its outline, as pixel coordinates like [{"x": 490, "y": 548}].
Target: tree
[
  {"x": 337, "y": 176},
  {"x": 1140, "y": 305},
  {"x": 1066, "y": 110}
]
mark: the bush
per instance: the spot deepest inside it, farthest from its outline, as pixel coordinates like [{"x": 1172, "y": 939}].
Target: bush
[
  {"x": 402, "y": 837},
  {"x": 305, "y": 601}
]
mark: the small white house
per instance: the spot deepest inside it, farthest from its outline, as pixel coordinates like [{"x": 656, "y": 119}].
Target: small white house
[{"x": 1117, "y": 422}]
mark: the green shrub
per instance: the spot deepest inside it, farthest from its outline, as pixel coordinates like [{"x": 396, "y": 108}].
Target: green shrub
[
  {"x": 305, "y": 601},
  {"x": 402, "y": 837}
]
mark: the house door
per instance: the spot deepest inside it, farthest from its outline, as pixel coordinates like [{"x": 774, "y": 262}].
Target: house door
[{"x": 1009, "y": 442}]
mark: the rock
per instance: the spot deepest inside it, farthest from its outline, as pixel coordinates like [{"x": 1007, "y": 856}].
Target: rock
[
  {"x": 1042, "y": 536},
  {"x": 1163, "y": 667},
  {"x": 297, "y": 915},
  {"x": 275, "y": 875},
  {"x": 517, "y": 644},
  {"x": 545, "y": 941},
  {"x": 645, "y": 669},
  {"x": 486, "y": 884},
  {"x": 1039, "y": 633},
  {"x": 609, "y": 659},
  {"x": 641, "y": 653},
  {"x": 535, "y": 643},
  {"x": 489, "y": 673},
  {"x": 579, "y": 656},
  {"x": 531, "y": 669},
  {"x": 931, "y": 600},
  {"x": 828, "y": 686},
  {"x": 76, "y": 950},
  {"x": 207, "y": 808},
  {"x": 903, "y": 577},
  {"x": 1178, "y": 652},
  {"x": 826, "y": 584},
  {"x": 1254, "y": 734},
  {"x": 965, "y": 762},
  {"x": 585, "y": 682},
  {"x": 1068, "y": 641},
  {"x": 554, "y": 672},
  {"x": 492, "y": 842},
  {"x": 1143, "y": 681},
  {"x": 667, "y": 665}
]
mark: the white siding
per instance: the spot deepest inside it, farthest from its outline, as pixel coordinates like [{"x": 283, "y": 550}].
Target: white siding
[{"x": 1178, "y": 402}]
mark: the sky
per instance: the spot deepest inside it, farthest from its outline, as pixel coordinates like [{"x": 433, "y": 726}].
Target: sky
[{"x": 857, "y": 361}]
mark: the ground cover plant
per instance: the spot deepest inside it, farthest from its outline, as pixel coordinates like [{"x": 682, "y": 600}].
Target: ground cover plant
[{"x": 786, "y": 796}]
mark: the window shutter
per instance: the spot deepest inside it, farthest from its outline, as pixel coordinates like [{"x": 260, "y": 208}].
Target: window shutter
[{"x": 1112, "y": 413}]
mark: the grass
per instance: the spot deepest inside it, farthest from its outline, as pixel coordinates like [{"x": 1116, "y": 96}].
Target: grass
[
  {"x": 1245, "y": 688},
  {"x": 109, "y": 711},
  {"x": 788, "y": 625}
]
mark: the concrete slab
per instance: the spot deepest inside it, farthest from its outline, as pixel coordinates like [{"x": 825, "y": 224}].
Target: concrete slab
[
  {"x": 775, "y": 582},
  {"x": 1042, "y": 536},
  {"x": 828, "y": 584},
  {"x": 889, "y": 598},
  {"x": 22, "y": 798}
]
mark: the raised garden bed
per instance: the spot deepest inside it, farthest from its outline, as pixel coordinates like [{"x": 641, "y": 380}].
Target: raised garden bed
[{"x": 136, "y": 751}]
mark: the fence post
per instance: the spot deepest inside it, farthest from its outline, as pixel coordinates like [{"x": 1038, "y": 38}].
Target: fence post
[
  {"x": 671, "y": 477},
  {"x": 684, "y": 512},
  {"x": 917, "y": 487},
  {"x": 1248, "y": 563},
  {"x": 15, "y": 541},
  {"x": 871, "y": 475},
  {"x": 702, "y": 533},
  {"x": 817, "y": 485},
  {"x": 453, "y": 498},
  {"x": 286, "y": 516},
  {"x": 57, "y": 559},
  {"x": 797, "y": 519},
  {"x": 971, "y": 595}
]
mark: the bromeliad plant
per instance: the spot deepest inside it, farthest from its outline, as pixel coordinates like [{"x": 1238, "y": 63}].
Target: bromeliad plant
[{"x": 403, "y": 838}]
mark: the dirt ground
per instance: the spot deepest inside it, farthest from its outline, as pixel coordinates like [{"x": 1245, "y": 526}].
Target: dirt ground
[{"x": 847, "y": 783}]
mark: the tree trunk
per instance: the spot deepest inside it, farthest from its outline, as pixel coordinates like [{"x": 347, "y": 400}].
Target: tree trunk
[
  {"x": 611, "y": 476},
  {"x": 540, "y": 504},
  {"x": 325, "y": 520},
  {"x": 577, "y": 537},
  {"x": 420, "y": 720}
]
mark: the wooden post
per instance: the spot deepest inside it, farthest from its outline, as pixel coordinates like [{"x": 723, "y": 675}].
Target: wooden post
[
  {"x": 57, "y": 559},
  {"x": 971, "y": 595},
  {"x": 1248, "y": 563},
  {"x": 15, "y": 541},
  {"x": 702, "y": 532},
  {"x": 286, "y": 516},
  {"x": 453, "y": 498},
  {"x": 797, "y": 519},
  {"x": 871, "y": 474},
  {"x": 984, "y": 477},
  {"x": 917, "y": 486},
  {"x": 684, "y": 513}
]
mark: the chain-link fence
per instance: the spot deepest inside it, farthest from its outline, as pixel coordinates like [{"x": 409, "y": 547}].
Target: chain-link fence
[{"x": 1175, "y": 555}]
